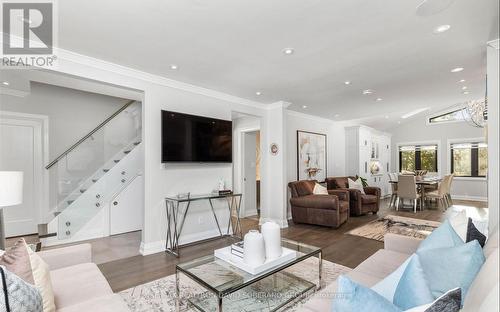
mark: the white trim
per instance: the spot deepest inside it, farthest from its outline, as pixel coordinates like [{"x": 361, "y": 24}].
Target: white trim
[
  {"x": 152, "y": 248},
  {"x": 494, "y": 43},
  {"x": 449, "y": 142},
  {"x": 468, "y": 197},
  {"x": 429, "y": 142},
  {"x": 307, "y": 116},
  {"x": 471, "y": 179},
  {"x": 157, "y": 79}
]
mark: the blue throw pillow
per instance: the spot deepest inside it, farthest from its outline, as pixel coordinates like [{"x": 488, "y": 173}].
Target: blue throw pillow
[
  {"x": 352, "y": 297},
  {"x": 387, "y": 287},
  {"x": 413, "y": 289},
  {"x": 448, "y": 268},
  {"x": 442, "y": 237}
]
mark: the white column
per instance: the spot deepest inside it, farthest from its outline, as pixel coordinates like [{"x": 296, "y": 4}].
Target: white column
[
  {"x": 493, "y": 133},
  {"x": 273, "y": 168}
]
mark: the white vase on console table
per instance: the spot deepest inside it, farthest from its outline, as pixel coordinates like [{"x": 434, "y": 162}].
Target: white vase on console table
[
  {"x": 272, "y": 240},
  {"x": 254, "y": 252}
]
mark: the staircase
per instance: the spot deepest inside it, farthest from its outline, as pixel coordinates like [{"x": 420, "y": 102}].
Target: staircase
[{"x": 86, "y": 177}]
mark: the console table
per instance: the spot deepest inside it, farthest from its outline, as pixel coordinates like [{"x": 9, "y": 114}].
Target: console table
[{"x": 176, "y": 218}]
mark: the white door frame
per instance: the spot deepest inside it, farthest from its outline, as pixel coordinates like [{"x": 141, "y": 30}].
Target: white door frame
[
  {"x": 41, "y": 157},
  {"x": 241, "y": 159}
]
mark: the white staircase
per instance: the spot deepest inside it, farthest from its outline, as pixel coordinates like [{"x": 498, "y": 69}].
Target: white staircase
[{"x": 86, "y": 178}]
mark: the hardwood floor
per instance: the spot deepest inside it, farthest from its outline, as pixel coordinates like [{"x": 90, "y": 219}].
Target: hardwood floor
[{"x": 337, "y": 247}]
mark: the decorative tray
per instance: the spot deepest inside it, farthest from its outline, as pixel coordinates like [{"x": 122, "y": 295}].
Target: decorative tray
[{"x": 226, "y": 255}]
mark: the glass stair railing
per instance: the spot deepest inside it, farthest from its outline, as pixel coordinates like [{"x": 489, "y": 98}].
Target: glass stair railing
[{"x": 84, "y": 177}]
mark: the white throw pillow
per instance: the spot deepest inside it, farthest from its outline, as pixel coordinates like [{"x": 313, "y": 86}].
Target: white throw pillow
[
  {"x": 41, "y": 275},
  {"x": 357, "y": 185},
  {"x": 320, "y": 190},
  {"x": 459, "y": 222}
]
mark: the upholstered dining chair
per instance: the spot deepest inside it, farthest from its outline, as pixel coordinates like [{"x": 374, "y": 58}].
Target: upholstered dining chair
[
  {"x": 393, "y": 178},
  {"x": 407, "y": 189},
  {"x": 448, "y": 189},
  {"x": 441, "y": 194}
]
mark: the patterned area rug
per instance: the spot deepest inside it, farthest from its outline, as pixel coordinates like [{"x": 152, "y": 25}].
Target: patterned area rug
[
  {"x": 159, "y": 295},
  {"x": 395, "y": 224}
]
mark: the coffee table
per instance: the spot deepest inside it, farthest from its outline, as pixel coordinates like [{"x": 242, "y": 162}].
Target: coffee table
[{"x": 227, "y": 288}]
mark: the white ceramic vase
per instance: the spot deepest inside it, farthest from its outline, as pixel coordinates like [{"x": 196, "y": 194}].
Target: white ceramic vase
[
  {"x": 254, "y": 252},
  {"x": 272, "y": 239}
]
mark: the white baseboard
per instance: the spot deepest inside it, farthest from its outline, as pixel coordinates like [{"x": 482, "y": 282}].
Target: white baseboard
[
  {"x": 282, "y": 223},
  {"x": 473, "y": 198}
]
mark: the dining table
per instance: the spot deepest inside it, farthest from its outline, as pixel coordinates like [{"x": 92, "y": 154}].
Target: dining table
[{"x": 422, "y": 183}]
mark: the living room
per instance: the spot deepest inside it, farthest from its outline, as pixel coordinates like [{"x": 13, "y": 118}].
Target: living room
[{"x": 410, "y": 97}]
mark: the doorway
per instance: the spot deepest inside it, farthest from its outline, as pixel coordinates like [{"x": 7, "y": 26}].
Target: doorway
[
  {"x": 251, "y": 172},
  {"x": 22, "y": 140}
]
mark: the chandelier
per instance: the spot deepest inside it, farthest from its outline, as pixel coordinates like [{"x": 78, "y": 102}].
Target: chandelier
[{"x": 476, "y": 112}]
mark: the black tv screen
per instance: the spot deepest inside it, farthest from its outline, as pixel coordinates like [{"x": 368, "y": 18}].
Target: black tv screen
[{"x": 188, "y": 138}]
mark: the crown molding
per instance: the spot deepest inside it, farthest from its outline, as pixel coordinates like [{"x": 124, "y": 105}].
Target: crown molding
[
  {"x": 152, "y": 78},
  {"x": 279, "y": 104},
  {"x": 310, "y": 117}
]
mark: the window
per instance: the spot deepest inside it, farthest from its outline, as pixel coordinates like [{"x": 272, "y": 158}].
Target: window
[
  {"x": 418, "y": 157},
  {"x": 459, "y": 114},
  {"x": 469, "y": 159}
]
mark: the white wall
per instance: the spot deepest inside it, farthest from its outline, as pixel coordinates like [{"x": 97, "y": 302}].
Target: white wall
[
  {"x": 335, "y": 135},
  {"x": 493, "y": 134},
  {"x": 416, "y": 130}
]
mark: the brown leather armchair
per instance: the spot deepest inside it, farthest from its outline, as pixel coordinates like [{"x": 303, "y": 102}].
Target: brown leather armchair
[
  {"x": 360, "y": 204},
  {"x": 328, "y": 210}
]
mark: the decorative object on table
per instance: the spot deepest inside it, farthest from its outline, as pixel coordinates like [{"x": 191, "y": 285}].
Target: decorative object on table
[
  {"x": 222, "y": 184},
  {"x": 274, "y": 149},
  {"x": 272, "y": 240},
  {"x": 397, "y": 225},
  {"x": 184, "y": 195},
  {"x": 11, "y": 194},
  {"x": 227, "y": 255},
  {"x": 150, "y": 296},
  {"x": 311, "y": 156},
  {"x": 237, "y": 249},
  {"x": 254, "y": 251}
]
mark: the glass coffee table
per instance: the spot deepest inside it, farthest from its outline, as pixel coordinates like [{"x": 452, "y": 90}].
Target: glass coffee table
[{"x": 228, "y": 288}]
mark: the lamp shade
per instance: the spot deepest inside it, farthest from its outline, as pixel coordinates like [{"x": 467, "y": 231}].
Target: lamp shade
[{"x": 11, "y": 188}]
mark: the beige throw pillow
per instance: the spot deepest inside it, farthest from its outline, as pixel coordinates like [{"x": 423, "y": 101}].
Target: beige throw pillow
[
  {"x": 41, "y": 275},
  {"x": 17, "y": 260},
  {"x": 320, "y": 189},
  {"x": 357, "y": 185}
]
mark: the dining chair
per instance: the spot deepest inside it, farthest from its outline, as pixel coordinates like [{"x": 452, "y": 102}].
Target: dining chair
[
  {"x": 407, "y": 189},
  {"x": 441, "y": 194},
  {"x": 394, "y": 188},
  {"x": 448, "y": 189}
]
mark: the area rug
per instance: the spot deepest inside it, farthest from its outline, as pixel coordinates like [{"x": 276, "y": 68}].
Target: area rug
[
  {"x": 159, "y": 295},
  {"x": 395, "y": 224}
]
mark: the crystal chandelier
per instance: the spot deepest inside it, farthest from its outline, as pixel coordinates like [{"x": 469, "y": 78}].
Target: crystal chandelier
[{"x": 476, "y": 112}]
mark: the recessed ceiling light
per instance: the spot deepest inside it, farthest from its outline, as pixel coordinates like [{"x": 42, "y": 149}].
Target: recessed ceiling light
[
  {"x": 386, "y": 117},
  {"x": 457, "y": 69},
  {"x": 379, "y": 99},
  {"x": 464, "y": 88},
  {"x": 347, "y": 82},
  {"x": 461, "y": 80},
  {"x": 304, "y": 106},
  {"x": 174, "y": 67},
  {"x": 5, "y": 83},
  {"x": 258, "y": 93},
  {"x": 368, "y": 91},
  {"x": 441, "y": 29},
  {"x": 288, "y": 51},
  {"x": 466, "y": 92},
  {"x": 415, "y": 112}
]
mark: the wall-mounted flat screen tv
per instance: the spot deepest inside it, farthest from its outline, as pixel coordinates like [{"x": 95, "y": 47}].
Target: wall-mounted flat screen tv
[{"x": 189, "y": 138}]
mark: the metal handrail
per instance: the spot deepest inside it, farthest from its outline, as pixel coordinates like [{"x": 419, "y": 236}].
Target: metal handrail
[{"x": 102, "y": 124}]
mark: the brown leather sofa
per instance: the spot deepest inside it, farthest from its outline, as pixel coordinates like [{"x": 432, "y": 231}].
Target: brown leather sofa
[
  {"x": 328, "y": 210},
  {"x": 360, "y": 204}
]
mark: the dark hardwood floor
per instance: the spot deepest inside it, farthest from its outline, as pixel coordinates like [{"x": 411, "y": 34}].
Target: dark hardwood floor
[{"x": 337, "y": 247}]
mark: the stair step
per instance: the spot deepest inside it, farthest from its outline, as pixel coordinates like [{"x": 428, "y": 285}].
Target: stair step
[
  {"x": 94, "y": 180},
  {"x": 71, "y": 201},
  {"x": 137, "y": 143},
  {"x": 105, "y": 170},
  {"x": 47, "y": 235},
  {"x": 126, "y": 152},
  {"x": 83, "y": 191},
  {"x": 116, "y": 161},
  {"x": 57, "y": 213}
]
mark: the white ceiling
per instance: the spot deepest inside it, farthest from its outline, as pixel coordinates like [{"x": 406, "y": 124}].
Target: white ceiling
[{"x": 236, "y": 47}]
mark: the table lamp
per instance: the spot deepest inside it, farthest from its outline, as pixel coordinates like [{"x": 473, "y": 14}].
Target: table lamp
[{"x": 11, "y": 194}]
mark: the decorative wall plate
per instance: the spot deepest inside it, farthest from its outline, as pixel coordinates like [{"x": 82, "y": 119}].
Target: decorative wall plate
[{"x": 274, "y": 149}]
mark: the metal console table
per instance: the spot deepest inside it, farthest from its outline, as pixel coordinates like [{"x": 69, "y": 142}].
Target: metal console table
[{"x": 176, "y": 218}]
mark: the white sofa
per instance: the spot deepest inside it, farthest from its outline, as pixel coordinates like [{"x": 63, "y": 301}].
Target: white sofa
[
  {"x": 78, "y": 284},
  {"x": 481, "y": 297}
]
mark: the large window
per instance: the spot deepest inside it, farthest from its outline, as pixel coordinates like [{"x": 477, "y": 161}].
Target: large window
[
  {"x": 469, "y": 159},
  {"x": 418, "y": 157},
  {"x": 459, "y": 114}
]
